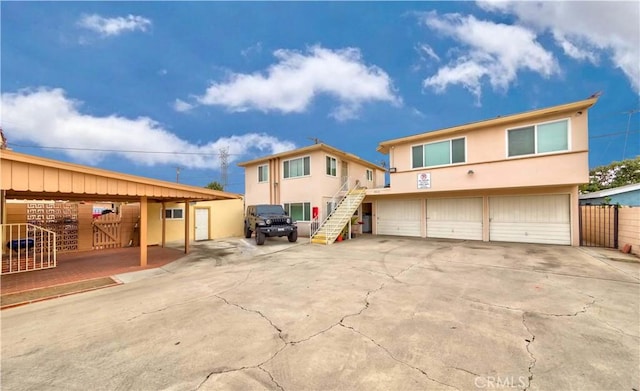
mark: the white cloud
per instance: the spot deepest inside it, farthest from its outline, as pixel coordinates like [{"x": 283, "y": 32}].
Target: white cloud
[
  {"x": 114, "y": 26},
  {"x": 487, "y": 54},
  {"x": 29, "y": 115},
  {"x": 579, "y": 53},
  {"x": 290, "y": 85},
  {"x": 428, "y": 50},
  {"x": 182, "y": 106},
  {"x": 587, "y": 29},
  {"x": 251, "y": 50}
]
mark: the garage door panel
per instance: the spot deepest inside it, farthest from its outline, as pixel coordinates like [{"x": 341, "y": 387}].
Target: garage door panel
[
  {"x": 399, "y": 217},
  {"x": 454, "y": 230},
  {"x": 398, "y": 227},
  {"x": 454, "y": 218},
  {"x": 530, "y": 219}
]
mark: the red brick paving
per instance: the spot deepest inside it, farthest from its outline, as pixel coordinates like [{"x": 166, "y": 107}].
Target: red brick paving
[{"x": 74, "y": 267}]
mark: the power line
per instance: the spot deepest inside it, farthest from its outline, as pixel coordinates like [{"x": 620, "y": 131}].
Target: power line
[
  {"x": 614, "y": 134},
  {"x": 212, "y": 154},
  {"x": 624, "y": 150}
]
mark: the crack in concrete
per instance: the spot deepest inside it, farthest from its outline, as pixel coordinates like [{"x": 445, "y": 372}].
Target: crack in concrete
[
  {"x": 584, "y": 309},
  {"x": 619, "y": 330},
  {"x": 313, "y": 335},
  {"x": 465, "y": 370},
  {"x": 533, "y": 361},
  {"x": 258, "y": 366},
  {"x": 422, "y": 371},
  {"x": 256, "y": 312},
  {"x": 529, "y": 341},
  {"x": 271, "y": 377}
]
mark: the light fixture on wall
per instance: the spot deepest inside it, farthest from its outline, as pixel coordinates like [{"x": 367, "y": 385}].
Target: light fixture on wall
[
  {"x": 392, "y": 169},
  {"x": 470, "y": 172}
]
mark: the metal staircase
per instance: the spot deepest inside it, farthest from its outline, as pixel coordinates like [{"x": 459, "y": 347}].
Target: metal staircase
[{"x": 333, "y": 225}]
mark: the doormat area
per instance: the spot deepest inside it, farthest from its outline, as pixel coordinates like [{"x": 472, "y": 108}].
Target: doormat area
[{"x": 19, "y": 298}]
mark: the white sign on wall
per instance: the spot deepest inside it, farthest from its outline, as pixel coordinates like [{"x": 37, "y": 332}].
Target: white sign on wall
[{"x": 424, "y": 180}]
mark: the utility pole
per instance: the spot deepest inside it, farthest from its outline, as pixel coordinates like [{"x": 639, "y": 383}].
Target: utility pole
[
  {"x": 224, "y": 166},
  {"x": 177, "y": 174}
]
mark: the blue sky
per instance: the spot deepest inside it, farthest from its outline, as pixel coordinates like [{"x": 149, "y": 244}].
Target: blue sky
[{"x": 97, "y": 82}]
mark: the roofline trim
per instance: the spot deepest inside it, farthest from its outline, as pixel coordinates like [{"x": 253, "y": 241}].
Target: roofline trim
[
  {"x": 9, "y": 155},
  {"x": 313, "y": 147}
]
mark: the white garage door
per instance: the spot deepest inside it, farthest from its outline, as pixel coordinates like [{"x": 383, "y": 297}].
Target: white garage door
[
  {"x": 454, "y": 218},
  {"x": 399, "y": 217},
  {"x": 530, "y": 219}
]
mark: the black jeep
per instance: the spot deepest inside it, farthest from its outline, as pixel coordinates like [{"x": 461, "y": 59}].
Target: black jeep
[{"x": 269, "y": 220}]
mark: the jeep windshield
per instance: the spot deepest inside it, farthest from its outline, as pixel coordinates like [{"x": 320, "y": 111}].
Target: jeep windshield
[{"x": 269, "y": 210}]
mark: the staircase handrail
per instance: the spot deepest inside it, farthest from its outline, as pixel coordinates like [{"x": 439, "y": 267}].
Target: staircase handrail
[
  {"x": 343, "y": 189},
  {"x": 337, "y": 199}
]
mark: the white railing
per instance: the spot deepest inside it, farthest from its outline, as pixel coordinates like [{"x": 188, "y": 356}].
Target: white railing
[
  {"x": 341, "y": 201},
  {"x": 27, "y": 247},
  {"x": 335, "y": 200}
]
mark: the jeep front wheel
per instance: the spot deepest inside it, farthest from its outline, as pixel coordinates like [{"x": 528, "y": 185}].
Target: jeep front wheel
[
  {"x": 260, "y": 238},
  {"x": 293, "y": 236}
]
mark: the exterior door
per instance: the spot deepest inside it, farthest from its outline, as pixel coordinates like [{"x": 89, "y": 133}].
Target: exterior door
[
  {"x": 399, "y": 217},
  {"x": 344, "y": 172},
  {"x": 530, "y": 219},
  {"x": 202, "y": 224},
  {"x": 454, "y": 218}
]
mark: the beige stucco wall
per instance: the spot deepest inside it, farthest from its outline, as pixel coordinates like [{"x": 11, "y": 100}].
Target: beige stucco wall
[
  {"x": 629, "y": 228},
  {"x": 316, "y": 188},
  {"x": 225, "y": 220},
  {"x": 486, "y": 150}
]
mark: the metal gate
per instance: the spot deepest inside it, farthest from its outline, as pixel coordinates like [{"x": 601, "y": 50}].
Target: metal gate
[{"x": 599, "y": 226}]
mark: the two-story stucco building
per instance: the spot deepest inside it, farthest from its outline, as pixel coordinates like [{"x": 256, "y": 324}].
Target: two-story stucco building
[
  {"x": 513, "y": 178},
  {"x": 305, "y": 180}
]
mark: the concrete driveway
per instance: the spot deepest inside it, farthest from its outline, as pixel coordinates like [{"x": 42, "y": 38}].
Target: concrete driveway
[{"x": 376, "y": 313}]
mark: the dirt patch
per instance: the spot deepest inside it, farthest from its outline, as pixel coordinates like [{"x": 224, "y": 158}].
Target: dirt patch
[{"x": 31, "y": 296}]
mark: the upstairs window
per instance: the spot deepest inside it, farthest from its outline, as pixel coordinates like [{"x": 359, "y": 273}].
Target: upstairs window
[
  {"x": 297, "y": 167},
  {"x": 369, "y": 175},
  {"x": 263, "y": 173},
  {"x": 439, "y": 153},
  {"x": 331, "y": 166},
  {"x": 540, "y": 138}
]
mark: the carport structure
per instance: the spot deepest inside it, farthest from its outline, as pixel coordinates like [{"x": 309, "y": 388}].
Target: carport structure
[{"x": 27, "y": 177}]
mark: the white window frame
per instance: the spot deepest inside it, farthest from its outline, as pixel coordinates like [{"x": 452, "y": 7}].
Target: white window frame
[
  {"x": 535, "y": 139},
  {"x": 172, "y": 212},
  {"x": 450, "y": 140},
  {"x": 297, "y": 176},
  {"x": 369, "y": 175},
  {"x": 264, "y": 167},
  {"x": 334, "y": 167},
  {"x": 287, "y": 209}
]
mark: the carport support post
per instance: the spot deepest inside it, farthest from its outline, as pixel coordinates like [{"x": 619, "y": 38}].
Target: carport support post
[
  {"x": 186, "y": 227},
  {"x": 164, "y": 224},
  {"x": 143, "y": 231}
]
